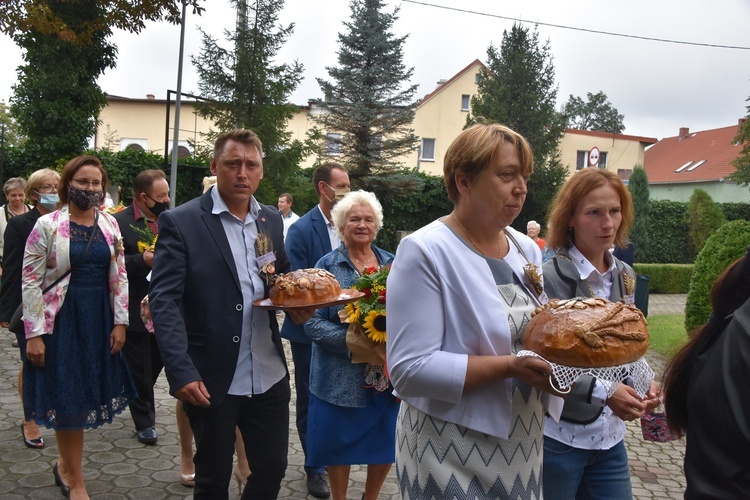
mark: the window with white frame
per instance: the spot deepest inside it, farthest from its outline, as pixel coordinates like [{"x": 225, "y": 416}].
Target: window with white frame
[
  {"x": 376, "y": 145},
  {"x": 183, "y": 149},
  {"x": 465, "y": 102},
  {"x": 133, "y": 144},
  {"x": 428, "y": 150},
  {"x": 333, "y": 144}
]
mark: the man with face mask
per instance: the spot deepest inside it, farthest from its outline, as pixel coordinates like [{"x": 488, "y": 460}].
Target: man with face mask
[
  {"x": 137, "y": 221},
  {"x": 309, "y": 239}
]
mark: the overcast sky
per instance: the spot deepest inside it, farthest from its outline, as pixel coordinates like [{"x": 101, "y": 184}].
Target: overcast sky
[{"x": 658, "y": 86}]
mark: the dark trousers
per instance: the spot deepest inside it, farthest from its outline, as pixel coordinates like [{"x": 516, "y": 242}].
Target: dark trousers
[
  {"x": 144, "y": 361},
  {"x": 263, "y": 420},
  {"x": 301, "y": 355}
]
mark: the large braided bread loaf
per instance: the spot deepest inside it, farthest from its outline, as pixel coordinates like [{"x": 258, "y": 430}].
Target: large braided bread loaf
[
  {"x": 587, "y": 333},
  {"x": 304, "y": 287}
]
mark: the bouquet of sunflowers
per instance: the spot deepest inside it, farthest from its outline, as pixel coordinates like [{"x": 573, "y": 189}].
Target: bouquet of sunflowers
[{"x": 366, "y": 317}]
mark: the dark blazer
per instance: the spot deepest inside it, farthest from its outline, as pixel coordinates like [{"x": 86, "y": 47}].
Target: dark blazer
[
  {"x": 14, "y": 245},
  {"x": 306, "y": 242},
  {"x": 195, "y": 295},
  {"x": 134, "y": 264}
]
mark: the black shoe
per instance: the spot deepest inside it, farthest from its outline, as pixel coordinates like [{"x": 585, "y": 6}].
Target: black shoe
[
  {"x": 64, "y": 488},
  {"x": 317, "y": 486},
  {"x": 32, "y": 443},
  {"x": 147, "y": 436}
]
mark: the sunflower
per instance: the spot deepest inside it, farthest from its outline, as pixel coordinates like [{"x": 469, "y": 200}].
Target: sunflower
[
  {"x": 352, "y": 311},
  {"x": 374, "y": 325}
]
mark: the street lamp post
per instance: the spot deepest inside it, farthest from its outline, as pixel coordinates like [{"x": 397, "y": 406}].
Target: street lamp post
[{"x": 176, "y": 136}]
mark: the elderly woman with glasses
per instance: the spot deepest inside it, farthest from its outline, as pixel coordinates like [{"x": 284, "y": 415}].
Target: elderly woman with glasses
[{"x": 75, "y": 309}]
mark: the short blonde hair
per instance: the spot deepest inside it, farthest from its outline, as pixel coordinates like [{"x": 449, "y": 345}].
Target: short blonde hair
[
  {"x": 352, "y": 199},
  {"x": 37, "y": 178},
  {"x": 474, "y": 149},
  {"x": 570, "y": 195}
]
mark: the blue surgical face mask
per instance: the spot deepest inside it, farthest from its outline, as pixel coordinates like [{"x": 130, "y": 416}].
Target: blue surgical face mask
[{"x": 49, "y": 200}]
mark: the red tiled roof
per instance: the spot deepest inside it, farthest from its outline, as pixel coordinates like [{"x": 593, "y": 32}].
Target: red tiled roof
[
  {"x": 609, "y": 135},
  {"x": 448, "y": 82},
  {"x": 715, "y": 148}
]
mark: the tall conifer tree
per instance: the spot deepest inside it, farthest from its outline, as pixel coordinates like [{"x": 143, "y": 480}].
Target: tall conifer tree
[
  {"x": 519, "y": 91},
  {"x": 638, "y": 187},
  {"x": 246, "y": 88},
  {"x": 368, "y": 100}
]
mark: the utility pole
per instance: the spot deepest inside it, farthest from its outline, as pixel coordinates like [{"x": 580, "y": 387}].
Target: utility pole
[{"x": 178, "y": 97}]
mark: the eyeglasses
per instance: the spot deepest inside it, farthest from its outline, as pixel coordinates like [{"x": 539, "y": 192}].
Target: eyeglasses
[
  {"x": 82, "y": 184},
  {"x": 47, "y": 188}
]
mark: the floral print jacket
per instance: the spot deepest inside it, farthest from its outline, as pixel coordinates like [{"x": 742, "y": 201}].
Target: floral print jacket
[{"x": 47, "y": 257}]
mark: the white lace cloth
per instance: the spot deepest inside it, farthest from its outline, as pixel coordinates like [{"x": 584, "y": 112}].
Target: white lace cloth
[{"x": 639, "y": 373}]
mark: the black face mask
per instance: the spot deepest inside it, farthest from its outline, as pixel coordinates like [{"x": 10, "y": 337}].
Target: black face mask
[
  {"x": 159, "y": 206},
  {"x": 85, "y": 200}
]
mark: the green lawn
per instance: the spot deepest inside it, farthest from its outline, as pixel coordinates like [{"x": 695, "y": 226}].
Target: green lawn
[{"x": 667, "y": 333}]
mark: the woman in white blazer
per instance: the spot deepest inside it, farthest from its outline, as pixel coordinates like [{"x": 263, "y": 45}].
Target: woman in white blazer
[{"x": 460, "y": 292}]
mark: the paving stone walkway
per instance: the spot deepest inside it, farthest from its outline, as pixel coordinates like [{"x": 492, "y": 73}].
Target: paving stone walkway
[{"x": 117, "y": 467}]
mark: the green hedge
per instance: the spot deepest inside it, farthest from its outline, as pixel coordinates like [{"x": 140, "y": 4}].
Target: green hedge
[
  {"x": 722, "y": 248},
  {"x": 736, "y": 211},
  {"x": 667, "y": 233},
  {"x": 667, "y": 278}
]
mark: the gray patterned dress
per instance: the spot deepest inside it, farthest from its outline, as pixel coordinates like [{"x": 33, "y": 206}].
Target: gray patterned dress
[{"x": 436, "y": 459}]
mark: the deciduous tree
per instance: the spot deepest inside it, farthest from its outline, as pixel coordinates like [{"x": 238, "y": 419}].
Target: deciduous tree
[
  {"x": 45, "y": 17},
  {"x": 519, "y": 91},
  {"x": 742, "y": 162},
  {"x": 56, "y": 100},
  {"x": 595, "y": 113}
]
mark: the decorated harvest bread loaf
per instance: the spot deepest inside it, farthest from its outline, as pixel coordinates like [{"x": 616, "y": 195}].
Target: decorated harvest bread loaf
[
  {"x": 587, "y": 333},
  {"x": 303, "y": 287}
]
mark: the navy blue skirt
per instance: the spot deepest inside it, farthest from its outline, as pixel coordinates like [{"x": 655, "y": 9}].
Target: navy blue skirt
[{"x": 339, "y": 435}]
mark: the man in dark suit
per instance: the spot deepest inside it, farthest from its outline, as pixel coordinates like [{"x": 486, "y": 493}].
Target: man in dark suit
[
  {"x": 137, "y": 223},
  {"x": 223, "y": 357},
  {"x": 307, "y": 240}
]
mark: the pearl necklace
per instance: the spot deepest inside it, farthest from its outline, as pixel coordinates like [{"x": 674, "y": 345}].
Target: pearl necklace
[{"x": 499, "y": 242}]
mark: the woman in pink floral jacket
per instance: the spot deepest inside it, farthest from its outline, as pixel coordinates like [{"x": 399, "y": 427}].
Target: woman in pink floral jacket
[{"x": 76, "y": 376}]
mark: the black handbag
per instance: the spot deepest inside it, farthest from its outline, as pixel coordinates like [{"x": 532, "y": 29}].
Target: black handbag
[{"x": 15, "y": 324}]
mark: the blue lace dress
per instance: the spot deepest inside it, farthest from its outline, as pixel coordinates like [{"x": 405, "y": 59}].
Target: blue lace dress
[{"x": 81, "y": 385}]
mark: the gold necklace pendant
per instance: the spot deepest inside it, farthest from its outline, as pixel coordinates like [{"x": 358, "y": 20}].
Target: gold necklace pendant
[{"x": 499, "y": 241}]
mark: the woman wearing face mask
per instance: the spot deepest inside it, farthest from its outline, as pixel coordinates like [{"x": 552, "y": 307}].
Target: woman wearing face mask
[
  {"x": 41, "y": 189},
  {"x": 75, "y": 313}
]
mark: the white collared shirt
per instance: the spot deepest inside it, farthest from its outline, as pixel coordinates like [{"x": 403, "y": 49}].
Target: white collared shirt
[
  {"x": 259, "y": 365},
  {"x": 333, "y": 233},
  {"x": 607, "y": 430},
  {"x": 288, "y": 220}
]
